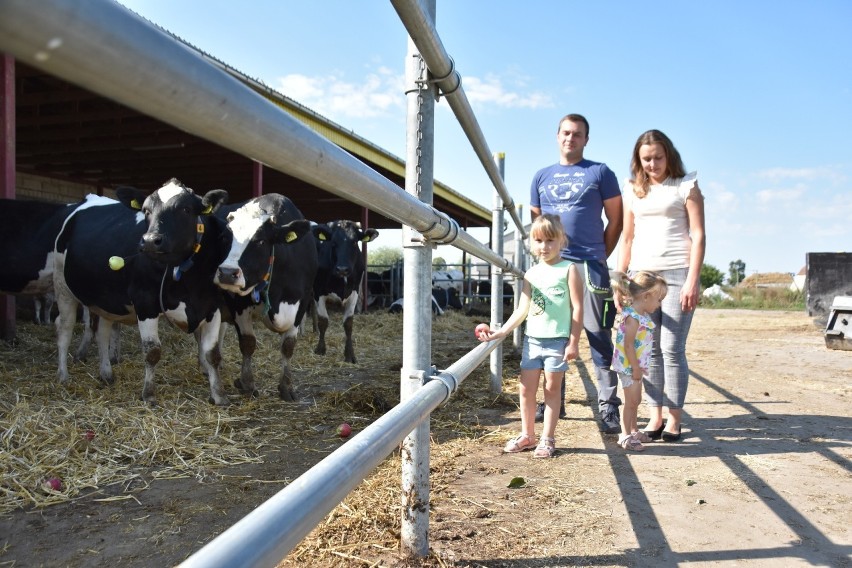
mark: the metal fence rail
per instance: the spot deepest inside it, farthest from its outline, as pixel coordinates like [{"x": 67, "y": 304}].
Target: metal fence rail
[{"x": 267, "y": 534}]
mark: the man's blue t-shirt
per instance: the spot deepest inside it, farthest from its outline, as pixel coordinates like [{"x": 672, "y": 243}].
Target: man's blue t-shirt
[{"x": 576, "y": 193}]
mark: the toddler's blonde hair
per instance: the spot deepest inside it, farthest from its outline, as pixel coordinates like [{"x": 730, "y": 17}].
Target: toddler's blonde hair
[{"x": 641, "y": 282}]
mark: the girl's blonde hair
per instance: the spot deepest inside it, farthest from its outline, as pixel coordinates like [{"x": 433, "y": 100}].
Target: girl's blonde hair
[
  {"x": 641, "y": 282},
  {"x": 549, "y": 226}
]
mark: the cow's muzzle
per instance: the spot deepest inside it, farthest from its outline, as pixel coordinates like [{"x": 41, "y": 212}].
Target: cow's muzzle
[
  {"x": 151, "y": 243},
  {"x": 228, "y": 276}
]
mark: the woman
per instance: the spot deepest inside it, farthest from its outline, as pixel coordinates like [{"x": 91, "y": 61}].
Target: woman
[{"x": 664, "y": 232}]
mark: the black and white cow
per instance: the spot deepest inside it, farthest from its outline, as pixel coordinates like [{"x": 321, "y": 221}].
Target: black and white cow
[
  {"x": 135, "y": 260},
  {"x": 269, "y": 268},
  {"x": 28, "y": 232},
  {"x": 341, "y": 268}
]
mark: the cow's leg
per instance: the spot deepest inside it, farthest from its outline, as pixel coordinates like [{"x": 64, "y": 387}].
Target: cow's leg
[
  {"x": 349, "y": 306},
  {"x": 115, "y": 344},
  {"x": 38, "y": 306},
  {"x": 104, "y": 335},
  {"x": 288, "y": 346},
  {"x": 65, "y": 320},
  {"x": 322, "y": 324},
  {"x": 49, "y": 300},
  {"x": 212, "y": 358},
  {"x": 152, "y": 351},
  {"x": 90, "y": 326},
  {"x": 248, "y": 345}
]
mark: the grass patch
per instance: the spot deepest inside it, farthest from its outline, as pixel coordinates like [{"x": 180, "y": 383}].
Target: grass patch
[{"x": 757, "y": 298}]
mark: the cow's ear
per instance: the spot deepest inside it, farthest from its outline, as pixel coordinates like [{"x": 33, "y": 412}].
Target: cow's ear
[
  {"x": 292, "y": 231},
  {"x": 212, "y": 200},
  {"x": 321, "y": 232},
  {"x": 369, "y": 235},
  {"x": 131, "y": 197}
]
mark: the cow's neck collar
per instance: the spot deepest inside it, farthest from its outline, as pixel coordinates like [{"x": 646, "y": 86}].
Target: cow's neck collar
[
  {"x": 261, "y": 289},
  {"x": 187, "y": 264}
]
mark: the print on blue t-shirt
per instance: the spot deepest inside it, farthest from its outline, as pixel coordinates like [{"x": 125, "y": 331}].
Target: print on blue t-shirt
[{"x": 576, "y": 193}]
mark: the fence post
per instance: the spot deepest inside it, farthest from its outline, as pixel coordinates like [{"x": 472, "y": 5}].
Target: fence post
[
  {"x": 496, "y": 364},
  {"x": 417, "y": 301},
  {"x": 518, "y": 261}
]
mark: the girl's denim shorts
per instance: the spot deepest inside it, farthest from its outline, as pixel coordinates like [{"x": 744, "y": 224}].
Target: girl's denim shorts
[{"x": 544, "y": 354}]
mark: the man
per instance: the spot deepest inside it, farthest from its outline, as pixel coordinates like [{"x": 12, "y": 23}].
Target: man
[{"x": 579, "y": 190}]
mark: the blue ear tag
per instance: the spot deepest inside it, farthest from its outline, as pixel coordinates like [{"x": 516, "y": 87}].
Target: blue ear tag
[
  {"x": 180, "y": 269},
  {"x": 255, "y": 296}
]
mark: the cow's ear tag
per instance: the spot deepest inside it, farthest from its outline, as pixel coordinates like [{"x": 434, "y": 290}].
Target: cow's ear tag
[
  {"x": 321, "y": 237},
  {"x": 207, "y": 210},
  {"x": 116, "y": 262},
  {"x": 291, "y": 236},
  {"x": 135, "y": 204}
]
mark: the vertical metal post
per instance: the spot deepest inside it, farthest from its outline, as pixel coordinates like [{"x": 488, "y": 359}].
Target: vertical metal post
[
  {"x": 519, "y": 262},
  {"x": 8, "y": 328},
  {"x": 496, "y": 366},
  {"x": 417, "y": 300},
  {"x": 256, "y": 179}
]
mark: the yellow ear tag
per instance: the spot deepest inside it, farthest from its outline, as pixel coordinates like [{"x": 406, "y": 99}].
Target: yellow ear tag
[
  {"x": 135, "y": 204},
  {"x": 116, "y": 262},
  {"x": 321, "y": 237},
  {"x": 291, "y": 236},
  {"x": 207, "y": 210}
]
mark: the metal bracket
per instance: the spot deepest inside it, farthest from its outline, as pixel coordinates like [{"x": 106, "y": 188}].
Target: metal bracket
[
  {"x": 424, "y": 376},
  {"x": 436, "y": 80}
]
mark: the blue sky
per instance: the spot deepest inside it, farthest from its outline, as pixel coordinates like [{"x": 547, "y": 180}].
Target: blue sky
[{"x": 756, "y": 95}]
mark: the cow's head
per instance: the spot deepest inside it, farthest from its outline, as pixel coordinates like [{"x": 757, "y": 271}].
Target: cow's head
[
  {"x": 337, "y": 245},
  {"x": 256, "y": 227},
  {"x": 174, "y": 215}
]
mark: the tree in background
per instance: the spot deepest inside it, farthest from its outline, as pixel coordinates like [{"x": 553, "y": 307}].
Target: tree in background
[
  {"x": 710, "y": 275},
  {"x": 736, "y": 272},
  {"x": 383, "y": 256}
]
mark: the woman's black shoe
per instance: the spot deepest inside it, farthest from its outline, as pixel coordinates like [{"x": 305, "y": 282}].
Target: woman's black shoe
[
  {"x": 655, "y": 434},
  {"x": 669, "y": 437}
]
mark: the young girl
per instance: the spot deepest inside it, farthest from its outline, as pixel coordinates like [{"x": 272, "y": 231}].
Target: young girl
[
  {"x": 639, "y": 297},
  {"x": 552, "y": 305}
]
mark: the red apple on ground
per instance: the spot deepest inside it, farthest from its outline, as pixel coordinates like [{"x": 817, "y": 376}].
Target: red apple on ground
[
  {"x": 344, "y": 430},
  {"x": 53, "y": 483}
]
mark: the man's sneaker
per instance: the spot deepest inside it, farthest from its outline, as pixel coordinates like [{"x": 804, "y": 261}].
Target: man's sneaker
[
  {"x": 611, "y": 420},
  {"x": 539, "y": 412}
]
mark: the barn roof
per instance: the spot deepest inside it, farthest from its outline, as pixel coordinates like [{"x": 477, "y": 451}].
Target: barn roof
[{"x": 66, "y": 132}]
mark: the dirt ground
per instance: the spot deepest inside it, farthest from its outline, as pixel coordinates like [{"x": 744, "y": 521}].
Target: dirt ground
[{"x": 762, "y": 477}]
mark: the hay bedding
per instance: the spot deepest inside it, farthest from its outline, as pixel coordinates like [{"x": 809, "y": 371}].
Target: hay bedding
[{"x": 45, "y": 427}]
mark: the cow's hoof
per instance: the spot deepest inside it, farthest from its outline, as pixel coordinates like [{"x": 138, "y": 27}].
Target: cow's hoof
[
  {"x": 247, "y": 391},
  {"x": 319, "y": 351},
  {"x": 286, "y": 394}
]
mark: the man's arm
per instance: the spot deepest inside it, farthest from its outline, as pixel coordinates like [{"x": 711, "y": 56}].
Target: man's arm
[
  {"x": 614, "y": 212},
  {"x": 534, "y": 213}
]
